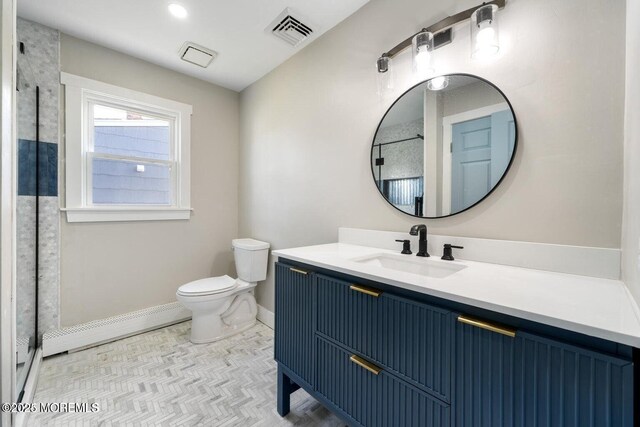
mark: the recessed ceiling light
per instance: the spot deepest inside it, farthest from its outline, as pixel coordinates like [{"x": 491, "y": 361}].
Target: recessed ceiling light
[{"x": 178, "y": 10}]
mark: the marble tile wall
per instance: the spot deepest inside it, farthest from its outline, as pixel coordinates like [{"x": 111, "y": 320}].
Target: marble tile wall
[
  {"x": 405, "y": 159},
  {"x": 25, "y": 258},
  {"x": 38, "y": 65}
]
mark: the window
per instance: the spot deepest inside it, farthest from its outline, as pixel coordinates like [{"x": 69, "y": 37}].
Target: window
[{"x": 127, "y": 154}]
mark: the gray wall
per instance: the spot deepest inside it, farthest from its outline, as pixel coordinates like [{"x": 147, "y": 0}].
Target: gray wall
[
  {"x": 469, "y": 97},
  {"x": 114, "y": 268},
  {"x": 306, "y": 128},
  {"x": 631, "y": 222}
]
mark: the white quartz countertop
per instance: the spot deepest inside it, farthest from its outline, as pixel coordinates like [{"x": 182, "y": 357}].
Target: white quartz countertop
[{"x": 596, "y": 307}]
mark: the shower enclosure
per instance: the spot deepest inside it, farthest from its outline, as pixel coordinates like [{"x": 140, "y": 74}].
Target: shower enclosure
[
  {"x": 37, "y": 214},
  {"x": 28, "y": 173}
]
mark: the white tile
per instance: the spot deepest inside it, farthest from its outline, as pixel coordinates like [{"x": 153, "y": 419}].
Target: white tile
[{"x": 160, "y": 378}]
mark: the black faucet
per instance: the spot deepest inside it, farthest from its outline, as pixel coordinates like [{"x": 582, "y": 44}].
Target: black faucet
[
  {"x": 422, "y": 240},
  {"x": 406, "y": 246},
  {"x": 447, "y": 251}
]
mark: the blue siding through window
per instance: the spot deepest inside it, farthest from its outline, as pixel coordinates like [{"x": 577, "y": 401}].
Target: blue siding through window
[
  {"x": 151, "y": 142},
  {"x": 119, "y": 181}
]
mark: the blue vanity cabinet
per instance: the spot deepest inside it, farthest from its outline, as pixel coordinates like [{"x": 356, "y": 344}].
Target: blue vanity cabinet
[
  {"x": 294, "y": 326},
  {"x": 380, "y": 356},
  {"x": 484, "y": 377},
  {"x": 529, "y": 380},
  {"x": 559, "y": 384},
  {"x": 370, "y": 395},
  {"x": 410, "y": 339}
]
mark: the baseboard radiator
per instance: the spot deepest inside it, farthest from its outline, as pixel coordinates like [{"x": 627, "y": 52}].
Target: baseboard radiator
[{"x": 113, "y": 328}]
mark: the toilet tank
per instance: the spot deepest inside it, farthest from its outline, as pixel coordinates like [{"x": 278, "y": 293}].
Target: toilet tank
[{"x": 251, "y": 257}]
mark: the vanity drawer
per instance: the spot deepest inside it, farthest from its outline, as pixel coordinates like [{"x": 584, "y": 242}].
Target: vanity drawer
[
  {"x": 410, "y": 339},
  {"x": 294, "y": 322},
  {"x": 373, "y": 396}
]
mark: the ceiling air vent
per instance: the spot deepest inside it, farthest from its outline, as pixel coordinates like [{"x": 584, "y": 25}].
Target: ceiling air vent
[
  {"x": 196, "y": 54},
  {"x": 290, "y": 29}
]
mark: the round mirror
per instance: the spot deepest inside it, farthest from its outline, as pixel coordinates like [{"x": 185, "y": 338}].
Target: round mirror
[{"x": 443, "y": 146}]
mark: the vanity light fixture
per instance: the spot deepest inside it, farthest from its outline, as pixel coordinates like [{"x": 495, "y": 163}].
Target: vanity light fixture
[
  {"x": 385, "y": 74},
  {"x": 178, "y": 10},
  {"x": 438, "y": 83},
  {"x": 484, "y": 37},
  {"x": 484, "y": 32},
  {"x": 422, "y": 45},
  {"x": 383, "y": 64}
]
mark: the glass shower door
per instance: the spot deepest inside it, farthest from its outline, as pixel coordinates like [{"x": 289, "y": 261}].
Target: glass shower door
[{"x": 27, "y": 210}]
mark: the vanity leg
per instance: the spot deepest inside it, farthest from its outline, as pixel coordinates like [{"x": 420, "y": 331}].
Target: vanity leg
[{"x": 284, "y": 392}]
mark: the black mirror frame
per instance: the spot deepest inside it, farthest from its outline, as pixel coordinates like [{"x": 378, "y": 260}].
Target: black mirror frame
[{"x": 513, "y": 155}]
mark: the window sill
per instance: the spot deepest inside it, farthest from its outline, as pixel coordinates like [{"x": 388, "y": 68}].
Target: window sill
[{"x": 126, "y": 214}]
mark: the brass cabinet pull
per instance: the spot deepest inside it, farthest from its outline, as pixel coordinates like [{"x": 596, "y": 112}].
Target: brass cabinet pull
[
  {"x": 363, "y": 289},
  {"x": 295, "y": 270},
  {"x": 488, "y": 326},
  {"x": 365, "y": 364}
]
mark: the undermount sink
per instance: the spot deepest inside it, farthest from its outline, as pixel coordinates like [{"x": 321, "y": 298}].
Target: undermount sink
[{"x": 404, "y": 263}]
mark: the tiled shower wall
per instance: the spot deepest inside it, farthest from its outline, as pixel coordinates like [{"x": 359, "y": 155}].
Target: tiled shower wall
[
  {"x": 39, "y": 65},
  {"x": 405, "y": 159}
]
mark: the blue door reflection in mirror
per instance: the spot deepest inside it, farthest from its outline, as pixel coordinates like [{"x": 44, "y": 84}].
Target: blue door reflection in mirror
[
  {"x": 470, "y": 162},
  {"x": 480, "y": 153},
  {"x": 437, "y": 153}
]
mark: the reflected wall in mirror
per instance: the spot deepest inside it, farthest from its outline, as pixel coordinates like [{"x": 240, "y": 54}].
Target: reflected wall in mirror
[{"x": 443, "y": 146}]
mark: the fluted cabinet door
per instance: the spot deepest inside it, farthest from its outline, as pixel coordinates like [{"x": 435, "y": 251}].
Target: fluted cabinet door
[
  {"x": 561, "y": 385},
  {"x": 294, "y": 333},
  {"x": 484, "y": 378},
  {"x": 532, "y": 381}
]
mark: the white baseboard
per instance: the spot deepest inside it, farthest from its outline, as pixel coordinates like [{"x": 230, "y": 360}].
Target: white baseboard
[
  {"x": 22, "y": 349},
  {"x": 29, "y": 387},
  {"x": 113, "y": 328},
  {"x": 267, "y": 317}
]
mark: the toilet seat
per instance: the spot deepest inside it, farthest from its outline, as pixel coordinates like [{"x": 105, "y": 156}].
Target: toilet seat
[{"x": 207, "y": 286}]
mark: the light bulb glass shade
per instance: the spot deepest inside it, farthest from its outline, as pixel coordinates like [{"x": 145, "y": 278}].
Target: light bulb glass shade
[
  {"x": 484, "y": 32},
  {"x": 178, "y": 10},
  {"x": 422, "y": 45},
  {"x": 383, "y": 64},
  {"x": 384, "y": 76},
  {"x": 438, "y": 83}
]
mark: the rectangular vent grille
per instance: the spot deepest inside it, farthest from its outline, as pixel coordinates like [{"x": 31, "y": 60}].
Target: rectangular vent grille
[
  {"x": 196, "y": 54},
  {"x": 290, "y": 29}
]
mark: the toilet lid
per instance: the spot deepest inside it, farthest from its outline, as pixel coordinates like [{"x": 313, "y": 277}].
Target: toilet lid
[{"x": 208, "y": 286}]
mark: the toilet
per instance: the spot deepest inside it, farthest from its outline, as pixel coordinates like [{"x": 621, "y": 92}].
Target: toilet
[{"x": 222, "y": 306}]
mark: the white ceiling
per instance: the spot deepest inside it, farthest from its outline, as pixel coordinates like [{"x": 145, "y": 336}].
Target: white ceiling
[
  {"x": 407, "y": 109},
  {"x": 410, "y": 106},
  {"x": 233, "y": 28}
]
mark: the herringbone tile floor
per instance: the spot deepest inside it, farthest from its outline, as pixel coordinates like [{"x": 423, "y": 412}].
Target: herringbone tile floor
[{"x": 160, "y": 379}]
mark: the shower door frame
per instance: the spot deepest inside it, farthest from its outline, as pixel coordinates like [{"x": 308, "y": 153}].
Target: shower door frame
[{"x": 8, "y": 147}]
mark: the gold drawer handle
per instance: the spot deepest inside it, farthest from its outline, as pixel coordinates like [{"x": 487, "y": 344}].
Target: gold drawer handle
[
  {"x": 363, "y": 289},
  {"x": 488, "y": 326},
  {"x": 365, "y": 364},
  {"x": 295, "y": 270}
]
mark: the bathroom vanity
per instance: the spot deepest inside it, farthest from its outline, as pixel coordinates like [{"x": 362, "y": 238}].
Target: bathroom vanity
[{"x": 441, "y": 343}]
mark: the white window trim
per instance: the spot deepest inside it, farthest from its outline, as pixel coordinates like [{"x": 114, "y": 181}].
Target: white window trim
[{"x": 78, "y": 93}]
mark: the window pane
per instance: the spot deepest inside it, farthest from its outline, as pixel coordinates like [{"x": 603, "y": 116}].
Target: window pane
[
  {"x": 125, "y": 133},
  {"x": 120, "y": 182}
]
